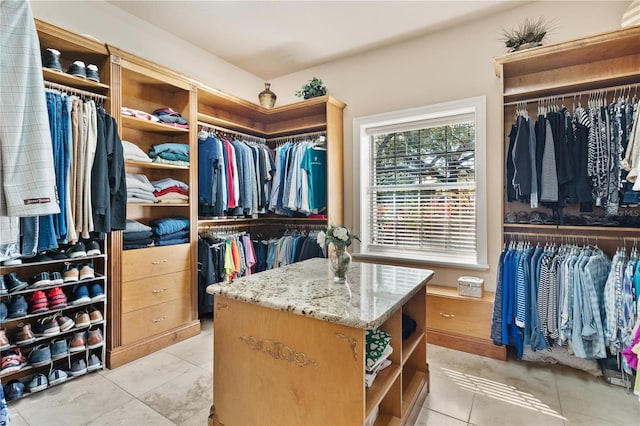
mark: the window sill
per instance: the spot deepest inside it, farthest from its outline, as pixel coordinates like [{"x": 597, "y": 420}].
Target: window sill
[{"x": 415, "y": 262}]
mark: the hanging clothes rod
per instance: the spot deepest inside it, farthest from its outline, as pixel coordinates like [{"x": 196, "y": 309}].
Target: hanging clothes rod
[
  {"x": 222, "y": 129},
  {"x": 604, "y": 90},
  {"x": 300, "y": 135},
  {"x": 62, "y": 87}
]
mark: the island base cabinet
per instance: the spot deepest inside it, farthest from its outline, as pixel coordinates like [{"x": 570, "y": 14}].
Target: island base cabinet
[{"x": 272, "y": 367}]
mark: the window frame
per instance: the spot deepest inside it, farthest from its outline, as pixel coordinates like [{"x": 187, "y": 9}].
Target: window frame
[{"x": 394, "y": 121}]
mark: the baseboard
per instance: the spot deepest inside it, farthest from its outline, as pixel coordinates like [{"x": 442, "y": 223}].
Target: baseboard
[
  {"x": 125, "y": 354},
  {"x": 467, "y": 344}
]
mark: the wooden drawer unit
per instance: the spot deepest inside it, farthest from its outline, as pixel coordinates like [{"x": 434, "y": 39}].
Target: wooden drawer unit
[
  {"x": 154, "y": 261},
  {"x": 151, "y": 291},
  {"x": 460, "y": 322},
  {"x": 145, "y": 322}
]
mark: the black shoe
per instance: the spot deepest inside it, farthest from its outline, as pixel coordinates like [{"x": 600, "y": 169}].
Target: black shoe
[
  {"x": 14, "y": 283},
  {"x": 57, "y": 255},
  {"x": 93, "y": 248},
  {"x": 92, "y": 73},
  {"x": 3, "y": 287},
  {"x": 41, "y": 279},
  {"x": 3, "y": 312},
  {"x": 51, "y": 59},
  {"x": 78, "y": 69},
  {"x": 77, "y": 250},
  {"x": 40, "y": 257},
  {"x": 13, "y": 390}
]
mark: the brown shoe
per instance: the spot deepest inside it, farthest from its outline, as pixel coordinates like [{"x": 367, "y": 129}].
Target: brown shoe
[
  {"x": 95, "y": 315},
  {"x": 82, "y": 319},
  {"x": 25, "y": 335},
  {"x": 4, "y": 341},
  {"x": 94, "y": 338},
  {"x": 77, "y": 342}
]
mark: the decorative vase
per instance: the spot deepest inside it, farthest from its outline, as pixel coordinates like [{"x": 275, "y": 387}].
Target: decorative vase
[
  {"x": 267, "y": 97},
  {"x": 339, "y": 263}
]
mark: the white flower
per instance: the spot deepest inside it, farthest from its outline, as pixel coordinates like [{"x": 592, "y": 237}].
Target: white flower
[
  {"x": 341, "y": 234},
  {"x": 321, "y": 238}
]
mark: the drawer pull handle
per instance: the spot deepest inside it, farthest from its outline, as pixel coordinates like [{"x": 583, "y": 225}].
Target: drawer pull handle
[
  {"x": 442, "y": 314},
  {"x": 157, "y": 262},
  {"x": 157, "y": 320},
  {"x": 158, "y": 290}
]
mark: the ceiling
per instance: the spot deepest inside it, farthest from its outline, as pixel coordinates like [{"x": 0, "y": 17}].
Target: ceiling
[{"x": 274, "y": 38}]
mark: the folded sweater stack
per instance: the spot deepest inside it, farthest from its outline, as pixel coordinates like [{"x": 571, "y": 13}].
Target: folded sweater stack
[
  {"x": 170, "y": 230},
  {"x": 176, "y": 154},
  {"x": 169, "y": 190},
  {"x": 139, "y": 189},
  {"x": 136, "y": 235}
]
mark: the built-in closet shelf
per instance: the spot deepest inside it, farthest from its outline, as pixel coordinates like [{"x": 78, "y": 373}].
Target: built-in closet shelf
[
  {"x": 265, "y": 219},
  {"x": 588, "y": 63},
  {"x": 412, "y": 383},
  {"x": 410, "y": 345},
  {"x": 386, "y": 420},
  {"x": 70, "y": 44},
  {"x": 147, "y": 165},
  {"x": 73, "y": 81},
  {"x": 151, "y": 126},
  {"x": 380, "y": 387},
  {"x": 251, "y": 128},
  {"x": 603, "y": 232},
  {"x": 5, "y": 269},
  {"x": 158, "y": 205}
]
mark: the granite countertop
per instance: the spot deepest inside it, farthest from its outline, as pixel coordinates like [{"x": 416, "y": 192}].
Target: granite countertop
[{"x": 371, "y": 294}]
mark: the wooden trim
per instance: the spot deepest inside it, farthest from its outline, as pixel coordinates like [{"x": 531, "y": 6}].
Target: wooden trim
[
  {"x": 466, "y": 344},
  {"x": 125, "y": 354}
]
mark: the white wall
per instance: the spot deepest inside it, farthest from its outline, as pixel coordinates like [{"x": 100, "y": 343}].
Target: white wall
[
  {"x": 112, "y": 25},
  {"x": 452, "y": 64}
]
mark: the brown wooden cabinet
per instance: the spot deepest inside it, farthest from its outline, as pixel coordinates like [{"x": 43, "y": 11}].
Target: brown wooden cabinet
[{"x": 154, "y": 300}]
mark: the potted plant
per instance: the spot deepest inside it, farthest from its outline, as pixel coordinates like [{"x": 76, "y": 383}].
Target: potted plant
[{"x": 312, "y": 89}]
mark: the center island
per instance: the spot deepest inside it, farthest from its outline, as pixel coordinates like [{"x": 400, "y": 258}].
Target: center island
[{"x": 289, "y": 346}]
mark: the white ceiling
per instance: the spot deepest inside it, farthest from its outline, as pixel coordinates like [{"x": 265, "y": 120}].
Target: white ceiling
[{"x": 273, "y": 38}]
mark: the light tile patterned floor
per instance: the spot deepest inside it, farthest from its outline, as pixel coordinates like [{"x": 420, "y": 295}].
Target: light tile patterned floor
[{"x": 174, "y": 386}]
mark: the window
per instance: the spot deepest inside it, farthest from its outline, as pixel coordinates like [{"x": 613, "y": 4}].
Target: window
[{"x": 422, "y": 185}]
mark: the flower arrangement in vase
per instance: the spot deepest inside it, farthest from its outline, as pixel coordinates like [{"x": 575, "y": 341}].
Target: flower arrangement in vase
[{"x": 340, "y": 237}]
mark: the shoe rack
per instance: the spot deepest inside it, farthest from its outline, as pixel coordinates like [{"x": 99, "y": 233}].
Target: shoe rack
[
  {"x": 15, "y": 358},
  {"x": 81, "y": 297}
]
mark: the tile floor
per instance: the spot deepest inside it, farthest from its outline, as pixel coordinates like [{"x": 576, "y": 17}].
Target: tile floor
[{"x": 174, "y": 386}]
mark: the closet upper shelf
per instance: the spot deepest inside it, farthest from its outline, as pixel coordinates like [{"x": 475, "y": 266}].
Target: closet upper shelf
[
  {"x": 604, "y": 232},
  {"x": 69, "y": 44},
  {"x": 73, "y": 81},
  {"x": 147, "y": 165},
  {"x": 224, "y": 110},
  {"x": 602, "y": 60}
]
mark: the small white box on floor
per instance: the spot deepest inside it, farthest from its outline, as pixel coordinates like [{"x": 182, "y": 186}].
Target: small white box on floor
[{"x": 471, "y": 286}]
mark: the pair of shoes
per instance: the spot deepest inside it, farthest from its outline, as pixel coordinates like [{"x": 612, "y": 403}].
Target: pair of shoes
[
  {"x": 82, "y": 319},
  {"x": 38, "y": 383},
  {"x": 78, "y": 368},
  {"x": 57, "y": 299},
  {"x": 12, "y": 283},
  {"x": 43, "y": 279},
  {"x": 17, "y": 307},
  {"x": 80, "y": 294},
  {"x": 24, "y": 336},
  {"x": 38, "y": 302},
  {"x": 90, "y": 340},
  {"x": 13, "y": 360},
  {"x": 90, "y": 72},
  {"x": 73, "y": 273},
  {"x": 80, "y": 249},
  {"x": 40, "y": 355},
  {"x": 13, "y": 390},
  {"x": 46, "y": 327},
  {"x": 51, "y": 59},
  {"x": 59, "y": 348},
  {"x": 94, "y": 363},
  {"x": 56, "y": 377}
]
